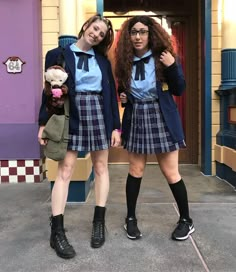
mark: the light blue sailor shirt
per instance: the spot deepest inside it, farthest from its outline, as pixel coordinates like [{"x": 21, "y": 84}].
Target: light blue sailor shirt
[
  {"x": 87, "y": 80},
  {"x": 144, "y": 89}
]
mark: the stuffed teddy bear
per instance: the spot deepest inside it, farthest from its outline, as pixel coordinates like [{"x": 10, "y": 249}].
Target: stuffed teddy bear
[{"x": 55, "y": 89}]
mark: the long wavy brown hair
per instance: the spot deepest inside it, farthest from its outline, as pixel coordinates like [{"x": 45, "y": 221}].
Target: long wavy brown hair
[
  {"x": 106, "y": 43},
  {"x": 158, "y": 41}
]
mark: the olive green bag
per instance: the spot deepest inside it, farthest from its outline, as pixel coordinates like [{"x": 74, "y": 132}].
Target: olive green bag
[{"x": 56, "y": 132}]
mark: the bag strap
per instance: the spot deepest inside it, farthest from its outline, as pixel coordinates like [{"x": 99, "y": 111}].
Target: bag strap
[
  {"x": 67, "y": 107},
  {"x": 61, "y": 62},
  {"x": 61, "y": 58}
]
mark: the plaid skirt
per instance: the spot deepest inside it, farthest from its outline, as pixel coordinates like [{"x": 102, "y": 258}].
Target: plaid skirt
[
  {"x": 149, "y": 133},
  {"x": 91, "y": 134}
]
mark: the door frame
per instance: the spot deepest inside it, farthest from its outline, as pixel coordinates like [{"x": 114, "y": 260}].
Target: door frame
[
  {"x": 206, "y": 95},
  {"x": 206, "y": 82}
]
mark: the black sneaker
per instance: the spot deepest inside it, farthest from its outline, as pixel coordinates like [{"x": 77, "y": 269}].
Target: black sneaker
[
  {"x": 183, "y": 230},
  {"x": 132, "y": 229}
]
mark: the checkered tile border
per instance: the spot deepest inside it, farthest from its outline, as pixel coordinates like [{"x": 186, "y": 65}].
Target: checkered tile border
[{"x": 28, "y": 171}]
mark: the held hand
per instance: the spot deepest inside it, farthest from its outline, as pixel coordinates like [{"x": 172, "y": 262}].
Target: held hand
[
  {"x": 123, "y": 98},
  {"x": 115, "y": 138},
  {"x": 40, "y": 139},
  {"x": 166, "y": 58}
]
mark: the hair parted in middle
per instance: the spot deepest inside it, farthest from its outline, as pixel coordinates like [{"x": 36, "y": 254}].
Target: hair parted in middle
[
  {"x": 158, "y": 41},
  {"x": 106, "y": 43}
]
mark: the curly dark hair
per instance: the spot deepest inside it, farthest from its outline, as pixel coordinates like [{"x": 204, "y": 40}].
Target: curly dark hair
[
  {"x": 158, "y": 41},
  {"x": 106, "y": 43}
]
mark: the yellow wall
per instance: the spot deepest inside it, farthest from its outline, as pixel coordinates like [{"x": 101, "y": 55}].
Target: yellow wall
[
  {"x": 50, "y": 21},
  {"x": 50, "y": 25},
  {"x": 216, "y": 72}
]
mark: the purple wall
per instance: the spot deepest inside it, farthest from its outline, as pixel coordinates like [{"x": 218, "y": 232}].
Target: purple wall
[{"x": 21, "y": 36}]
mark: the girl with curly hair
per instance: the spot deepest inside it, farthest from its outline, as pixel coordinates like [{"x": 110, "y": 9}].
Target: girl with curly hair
[{"x": 148, "y": 75}]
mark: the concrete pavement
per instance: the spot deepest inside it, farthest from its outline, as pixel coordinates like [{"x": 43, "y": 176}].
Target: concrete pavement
[{"x": 24, "y": 227}]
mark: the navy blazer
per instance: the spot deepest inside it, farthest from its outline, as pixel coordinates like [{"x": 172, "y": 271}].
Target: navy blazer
[
  {"x": 110, "y": 105},
  {"x": 176, "y": 85}
]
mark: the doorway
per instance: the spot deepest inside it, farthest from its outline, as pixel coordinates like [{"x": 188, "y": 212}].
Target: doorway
[{"x": 183, "y": 24}]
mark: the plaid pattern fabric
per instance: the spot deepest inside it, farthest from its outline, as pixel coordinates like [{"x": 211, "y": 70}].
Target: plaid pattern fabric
[
  {"x": 149, "y": 133},
  {"x": 91, "y": 133}
]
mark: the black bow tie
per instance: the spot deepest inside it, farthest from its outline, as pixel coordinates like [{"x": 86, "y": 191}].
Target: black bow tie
[
  {"x": 140, "y": 68},
  {"x": 83, "y": 60}
]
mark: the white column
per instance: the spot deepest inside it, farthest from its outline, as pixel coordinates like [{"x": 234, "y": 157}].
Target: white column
[
  {"x": 229, "y": 24},
  {"x": 67, "y": 17},
  {"x": 81, "y": 14}
]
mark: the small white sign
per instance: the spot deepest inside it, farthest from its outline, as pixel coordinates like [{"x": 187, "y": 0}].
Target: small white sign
[{"x": 14, "y": 65}]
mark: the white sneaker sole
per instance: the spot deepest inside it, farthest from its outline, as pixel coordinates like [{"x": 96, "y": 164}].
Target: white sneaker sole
[
  {"x": 185, "y": 237},
  {"x": 132, "y": 237}
]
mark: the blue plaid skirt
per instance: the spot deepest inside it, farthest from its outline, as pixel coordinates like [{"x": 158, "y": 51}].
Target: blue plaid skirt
[
  {"x": 91, "y": 134},
  {"x": 149, "y": 133}
]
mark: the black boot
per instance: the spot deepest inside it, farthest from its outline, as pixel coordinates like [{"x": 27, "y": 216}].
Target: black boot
[
  {"x": 58, "y": 239},
  {"x": 98, "y": 231}
]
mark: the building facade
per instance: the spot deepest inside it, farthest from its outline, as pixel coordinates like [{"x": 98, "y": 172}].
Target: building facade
[{"x": 204, "y": 31}]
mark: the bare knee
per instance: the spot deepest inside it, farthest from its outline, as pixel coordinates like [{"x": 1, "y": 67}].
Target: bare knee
[
  {"x": 136, "y": 170},
  {"x": 65, "y": 172},
  {"x": 66, "y": 167},
  {"x": 137, "y": 164},
  {"x": 172, "y": 177},
  {"x": 100, "y": 168},
  {"x": 168, "y": 163}
]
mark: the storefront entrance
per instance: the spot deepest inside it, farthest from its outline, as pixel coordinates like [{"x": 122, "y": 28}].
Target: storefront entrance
[{"x": 181, "y": 18}]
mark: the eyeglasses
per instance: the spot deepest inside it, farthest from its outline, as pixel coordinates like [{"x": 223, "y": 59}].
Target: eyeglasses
[{"x": 141, "y": 32}]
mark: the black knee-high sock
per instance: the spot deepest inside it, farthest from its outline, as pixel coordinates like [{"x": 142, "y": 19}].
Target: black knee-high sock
[
  {"x": 181, "y": 197},
  {"x": 132, "y": 192}
]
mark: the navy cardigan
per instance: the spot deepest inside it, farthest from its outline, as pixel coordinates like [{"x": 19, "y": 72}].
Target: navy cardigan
[
  {"x": 111, "y": 112},
  {"x": 176, "y": 85}
]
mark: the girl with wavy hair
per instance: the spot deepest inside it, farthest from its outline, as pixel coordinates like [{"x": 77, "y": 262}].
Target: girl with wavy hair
[{"x": 148, "y": 75}]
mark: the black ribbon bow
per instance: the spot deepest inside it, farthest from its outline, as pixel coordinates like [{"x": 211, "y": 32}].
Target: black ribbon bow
[
  {"x": 140, "y": 67},
  {"x": 83, "y": 60}
]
